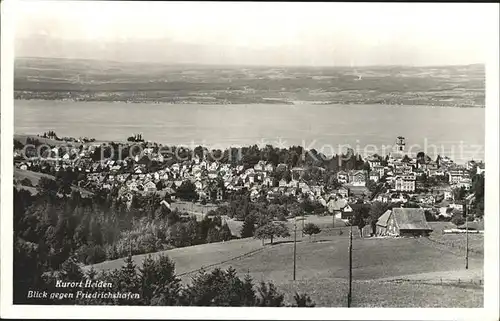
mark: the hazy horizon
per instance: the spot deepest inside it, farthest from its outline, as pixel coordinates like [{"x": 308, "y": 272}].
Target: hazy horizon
[
  {"x": 255, "y": 34},
  {"x": 249, "y": 65}
]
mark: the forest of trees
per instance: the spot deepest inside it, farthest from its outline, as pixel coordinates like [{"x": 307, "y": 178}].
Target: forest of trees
[{"x": 103, "y": 227}]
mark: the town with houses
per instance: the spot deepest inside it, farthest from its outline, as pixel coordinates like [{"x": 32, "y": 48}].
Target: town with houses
[{"x": 394, "y": 179}]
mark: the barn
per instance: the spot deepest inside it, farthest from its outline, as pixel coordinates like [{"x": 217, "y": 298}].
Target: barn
[{"x": 403, "y": 222}]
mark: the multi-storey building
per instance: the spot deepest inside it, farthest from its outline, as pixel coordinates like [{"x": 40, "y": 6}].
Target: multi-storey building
[{"x": 405, "y": 183}]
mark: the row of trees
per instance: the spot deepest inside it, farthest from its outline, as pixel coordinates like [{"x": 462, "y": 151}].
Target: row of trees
[{"x": 154, "y": 282}]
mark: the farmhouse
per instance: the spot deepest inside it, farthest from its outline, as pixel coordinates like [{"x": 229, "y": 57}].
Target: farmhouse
[
  {"x": 340, "y": 208},
  {"x": 403, "y": 222}
]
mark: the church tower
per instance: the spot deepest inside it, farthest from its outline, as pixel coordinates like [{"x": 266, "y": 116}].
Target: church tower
[{"x": 400, "y": 143}]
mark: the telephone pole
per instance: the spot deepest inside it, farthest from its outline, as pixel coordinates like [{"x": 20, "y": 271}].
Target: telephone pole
[
  {"x": 466, "y": 238},
  {"x": 303, "y": 219},
  {"x": 349, "y": 294},
  {"x": 468, "y": 201},
  {"x": 295, "y": 250}
]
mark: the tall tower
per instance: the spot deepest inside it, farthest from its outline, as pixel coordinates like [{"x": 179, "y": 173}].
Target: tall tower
[{"x": 400, "y": 143}]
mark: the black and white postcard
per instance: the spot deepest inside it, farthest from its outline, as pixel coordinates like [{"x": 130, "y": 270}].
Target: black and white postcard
[{"x": 192, "y": 155}]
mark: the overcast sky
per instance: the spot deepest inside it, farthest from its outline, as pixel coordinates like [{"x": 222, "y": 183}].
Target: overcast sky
[{"x": 255, "y": 33}]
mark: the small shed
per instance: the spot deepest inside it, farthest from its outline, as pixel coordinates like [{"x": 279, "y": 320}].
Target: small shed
[{"x": 403, "y": 222}]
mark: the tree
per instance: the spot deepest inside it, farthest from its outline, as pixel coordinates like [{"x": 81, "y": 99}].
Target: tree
[
  {"x": 421, "y": 159},
  {"x": 311, "y": 229},
  {"x": 18, "y": 144},
  {"x": 271, "y": 230},
  {"x": 478, "y": 190},
  {"x": 160, "y": 185},
  {"x": 376, "y": 210},
  {"x": 459, "y": 193},
  {"x": 160, "y": 285},
  {"x": 372, "y": 186},
  {"x": 127, "y": 280},
  {"x": 225, "y": 233},
  {"x": 213, "y": 235},
  {"x": 187, "y": 191},
  {"x": 26, "y": 182},
  {"x": 269, "y": 296},
  {"x": 303, "y": 300},
  {"x": 47, "y": 186},
  {"x": 458, "y": 219},
  {"x": 218, "y": 288},
  {"x": 360, "y": 214},
  {"x": 148, "y": 279},
  {"x": 248, "y": 228}
]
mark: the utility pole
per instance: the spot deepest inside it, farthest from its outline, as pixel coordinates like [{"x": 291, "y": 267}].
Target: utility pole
[
  {"x": 349, "y": 294},
  {"x": 295, "y": 250},
  {"x": 466, "y": 238},
  {"x": 303, "y": 219}
]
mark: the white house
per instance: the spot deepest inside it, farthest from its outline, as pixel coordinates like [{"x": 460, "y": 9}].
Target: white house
[
  {"x": 374, "y": 176},
  {"x": 150, "y": 187}
]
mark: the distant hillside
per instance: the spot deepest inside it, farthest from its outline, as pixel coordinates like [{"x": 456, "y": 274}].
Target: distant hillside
[
  {"x": 89, "y": 80},
  {"x": 34, "y": 178}
]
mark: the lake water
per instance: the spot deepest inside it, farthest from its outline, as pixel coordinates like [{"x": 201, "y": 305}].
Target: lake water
[{"x": 454, "y": 132}]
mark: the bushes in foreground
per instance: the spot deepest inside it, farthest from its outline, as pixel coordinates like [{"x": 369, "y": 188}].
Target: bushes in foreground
[{"x": 155, "y": 283}]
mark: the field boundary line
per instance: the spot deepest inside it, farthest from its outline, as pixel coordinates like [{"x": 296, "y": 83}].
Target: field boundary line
[
  {"x": 458, "y": 246},
  {"x": 443, "y": 282},
  {"x": 244, "y": 255},
  {"x": 442, "y": 247}
]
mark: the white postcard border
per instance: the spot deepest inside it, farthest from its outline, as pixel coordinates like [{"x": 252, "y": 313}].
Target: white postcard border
[{"x": 491, "y": 262}]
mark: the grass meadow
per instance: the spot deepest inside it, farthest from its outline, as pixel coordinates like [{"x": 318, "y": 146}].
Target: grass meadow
[{"x": 387, "y": 272}]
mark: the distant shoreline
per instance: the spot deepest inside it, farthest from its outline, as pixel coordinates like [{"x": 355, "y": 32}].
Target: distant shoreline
[{"x": 291, "y": 103}]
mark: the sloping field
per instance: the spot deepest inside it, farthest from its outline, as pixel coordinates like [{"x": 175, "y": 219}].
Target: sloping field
[
  {"x": 456, "y": 242},
  {"x": 375, "y": 293},
  {"x": 389, "y": 272},
  {"x": 373, "y": 258},
  {"x": 47, "y": 141},
  {"x": 34, "y": 177},
  {"x": 192, "y": 258}
]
